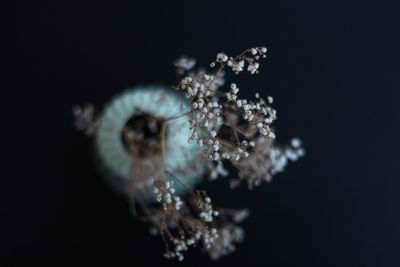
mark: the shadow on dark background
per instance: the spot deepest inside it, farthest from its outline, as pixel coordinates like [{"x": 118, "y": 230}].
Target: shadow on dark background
[{"x": 333, "y": 69}]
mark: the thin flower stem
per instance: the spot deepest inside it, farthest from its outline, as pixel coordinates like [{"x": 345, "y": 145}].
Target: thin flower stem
[
  {"x": 236, "y": 131},
  {"x": 177, "y": 116},
  {"x": 215, "y": 76},
  {"x": 182, "y": 183},
  {"x": 163, "y": 146}
]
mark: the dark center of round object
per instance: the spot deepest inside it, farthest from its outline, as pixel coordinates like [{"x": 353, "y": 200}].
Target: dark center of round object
[{"x": 142, "y": 135}]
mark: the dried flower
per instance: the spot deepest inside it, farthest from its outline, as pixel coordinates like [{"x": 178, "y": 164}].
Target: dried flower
[
  {"x": 84, "y": 119},
  {"x": 184, "y": 64},
  {"x": 153, "y": 145}
]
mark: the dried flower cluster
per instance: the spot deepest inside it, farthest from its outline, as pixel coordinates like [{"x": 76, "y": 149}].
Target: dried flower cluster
[
  {"x": 195, "y": 222},
  {"x": 249, "y": 143},
  {"x": 84, "y": 119},
  {"x": 229, "y": 130},
  {"x": 266, "y": 160}
]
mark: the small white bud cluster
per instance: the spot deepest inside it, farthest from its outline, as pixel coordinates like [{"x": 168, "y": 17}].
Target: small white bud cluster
[
  {"x": 183, "y": 243},
  {"x": 180, "y": 245},
  {"x": 281, "y": 156},
  {"x": 238, "y": 64},
  {"x": 184, "y": 64},
  {"x": 209, "y": 237},
  {"x": 240, "y": 215},
  {"x": 258, "y": 112},
  {"x": 222, "y": 57},
  {"x": 253, "y": 67},
  {"x": 240, "y": 152},
  {"x": 225, "y": 243},
  {"x": 163, "y": 191},
  {"x": 216, "y": 170},
  {"x": 207, "y": 212},
  {"x": 212, "y": 147},
  {"x": 266, "y": 160},
  {"x": 206, "y": 116}
]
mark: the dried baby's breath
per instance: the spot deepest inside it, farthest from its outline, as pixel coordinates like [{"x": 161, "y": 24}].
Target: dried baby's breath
[{"x": 228, "y": 129}]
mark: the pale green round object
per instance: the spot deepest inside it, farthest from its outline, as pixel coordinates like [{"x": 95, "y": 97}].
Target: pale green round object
[{"x": 159, "y": 101}]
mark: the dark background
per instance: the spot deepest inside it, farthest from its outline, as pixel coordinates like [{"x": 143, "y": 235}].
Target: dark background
[{"x": 332, "y": 67}]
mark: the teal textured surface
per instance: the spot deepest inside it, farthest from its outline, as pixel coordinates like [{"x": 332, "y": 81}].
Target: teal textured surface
[{"x": 160, "y": 101}]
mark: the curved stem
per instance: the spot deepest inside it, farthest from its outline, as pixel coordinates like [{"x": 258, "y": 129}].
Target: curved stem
[{"x": 163, "y": 146}]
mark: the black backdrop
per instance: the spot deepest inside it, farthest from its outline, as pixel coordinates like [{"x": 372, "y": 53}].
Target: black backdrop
[{"x": 332, "y": 67}]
